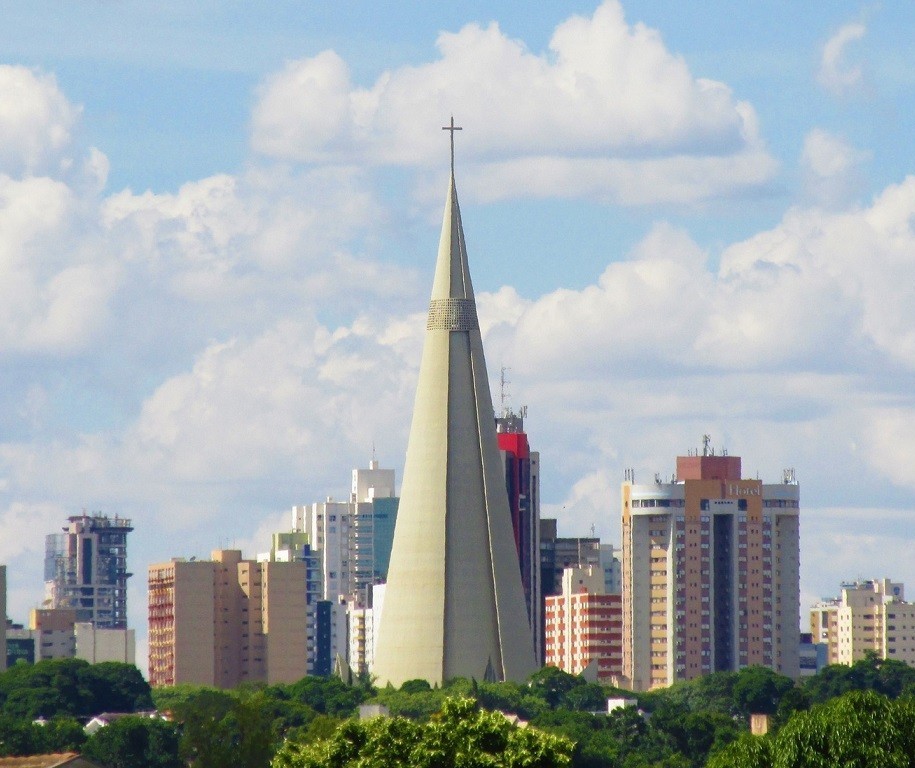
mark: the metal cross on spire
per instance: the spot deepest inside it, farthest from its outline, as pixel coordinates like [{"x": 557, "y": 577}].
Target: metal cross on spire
[{"x": 452, "y": 128}]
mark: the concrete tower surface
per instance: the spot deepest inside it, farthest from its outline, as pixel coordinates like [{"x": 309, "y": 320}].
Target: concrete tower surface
[{"x": 454, "y": 605}]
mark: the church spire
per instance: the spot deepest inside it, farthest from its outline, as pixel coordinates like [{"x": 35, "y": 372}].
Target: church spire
[{"x": 454, "y": 604}]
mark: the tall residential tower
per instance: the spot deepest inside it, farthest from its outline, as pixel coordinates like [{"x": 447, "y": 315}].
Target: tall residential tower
[
  {"x": 710, "y": 573},
  {"x": 85, "y": 569}
]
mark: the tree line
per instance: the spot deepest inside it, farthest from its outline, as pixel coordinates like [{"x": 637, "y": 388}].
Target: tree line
[{"x": 823, "y": 720}]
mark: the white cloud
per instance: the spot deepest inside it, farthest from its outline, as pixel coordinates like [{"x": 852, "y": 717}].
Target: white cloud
[
  {"x": 848, "y": 544},
  {"x": 36, "y": 121},
  {"x": 54, "y": 290},
  {"x": 832, "y": 169},
  {"x": 607, "y": 112},
  {"x": 835, "y": 74}
]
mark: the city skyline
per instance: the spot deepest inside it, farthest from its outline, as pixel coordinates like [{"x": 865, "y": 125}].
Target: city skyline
[{"x": 718, "y": 243}]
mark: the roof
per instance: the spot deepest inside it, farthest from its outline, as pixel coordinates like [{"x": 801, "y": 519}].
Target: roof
[{"x": 68, "y": 759}]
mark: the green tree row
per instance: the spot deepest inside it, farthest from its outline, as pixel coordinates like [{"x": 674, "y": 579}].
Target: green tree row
[
  {"x": 684, "y": 726},
  {"x": 72, "y": 688}
]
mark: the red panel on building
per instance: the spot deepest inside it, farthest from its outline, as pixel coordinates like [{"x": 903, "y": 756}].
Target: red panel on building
[
  {"x": 708, "y": 467},
  {"x": 515, "y": 443}
]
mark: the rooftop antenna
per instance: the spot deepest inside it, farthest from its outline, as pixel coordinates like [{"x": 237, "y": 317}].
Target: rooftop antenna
[
  {"x": 706, "y": 443},
  {"x": 452, "y": 128},
  {"x": 503, "y": 387}
]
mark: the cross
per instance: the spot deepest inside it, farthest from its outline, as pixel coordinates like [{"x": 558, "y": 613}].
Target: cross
[{"x": 452, "y": 128}]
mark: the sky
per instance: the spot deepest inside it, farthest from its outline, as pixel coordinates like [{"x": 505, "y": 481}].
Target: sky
[{"x": 218, "y": 225}]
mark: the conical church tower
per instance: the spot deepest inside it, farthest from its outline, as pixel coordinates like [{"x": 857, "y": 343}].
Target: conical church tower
[{"x": 454, "y": 605}]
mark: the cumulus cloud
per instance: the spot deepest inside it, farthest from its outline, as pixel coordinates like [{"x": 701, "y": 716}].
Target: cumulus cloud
[
  {"x": 835, "y": 73},
  {"x": 36, "y": 121},
  {"x": 801, "y": 294},
  {"x": 607, "y": 112},
  {"x": 832, "y": 168}
]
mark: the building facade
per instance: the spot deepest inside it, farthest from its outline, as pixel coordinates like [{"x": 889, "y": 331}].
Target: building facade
[
  {"x": 353, "y": 538},
  {"x": 86, "y": 569},
  {"x": 522, "y": 482},
  {"x": 584, "y": 626},
  {"x": 710, "y": 573},
  {"x": 226, "y": 621},
  {"x": 293, "y": 547},
  {"x": 869, "y": 616},
  {"x": 54, "y": 632}
]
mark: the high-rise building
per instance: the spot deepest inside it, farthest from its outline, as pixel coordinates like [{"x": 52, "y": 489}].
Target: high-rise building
[
  {"x": 522, "y": 482},
  {"x": 85, "y": 569},
  {"x": 293, "y": 547},
  {"x": 454, "y": 603},
  {"x": 353, "y": 538},
  {"x": 584, "y": 626},
  {"x": 227, "y": 621},
  {"x": 868, "y": 617},
  {"x": 710, "y": 573},
  {"x": 560, "y": 552}
]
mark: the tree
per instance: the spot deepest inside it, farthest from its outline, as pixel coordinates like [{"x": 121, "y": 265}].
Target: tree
[
  {"x": 116, "y": 687},
  {"x": 462, "y": 734},
  {"x": 206, "y": 740},
  {"x": 135, "y": 742},
  {"x": 858, "y": 730},
  {"x": 887, "y": 676},
  {"x": 328, "y": 695},
  {"x": 72, "y": 687},
  {"x": 759, "y": 690},
  {"x": 552, "y": 684}
]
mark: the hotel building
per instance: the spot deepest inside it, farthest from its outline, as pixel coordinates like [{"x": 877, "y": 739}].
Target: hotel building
[{"x": 710, "y": 573}]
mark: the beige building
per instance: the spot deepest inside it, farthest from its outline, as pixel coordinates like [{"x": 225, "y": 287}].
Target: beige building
[
  {"x": 869, "y": 616},
  {"x": 96, "y": 645},
  {"x": 584, "y": 626},
  {"x": 226, "y": 621},
  {"x": 53, "y": 632},
  {"x": 711, "y": 573}
]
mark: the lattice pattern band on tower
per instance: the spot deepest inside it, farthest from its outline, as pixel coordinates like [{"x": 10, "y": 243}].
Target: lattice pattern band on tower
[{"x": 452, "y": 315}]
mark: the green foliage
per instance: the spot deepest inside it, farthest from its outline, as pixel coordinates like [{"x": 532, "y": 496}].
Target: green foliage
[
  {"x": 135, "y": 742},
  {"x": 885, "y": 676},
  {"x": 415, "y": 686},
  {"x": 72, "y": 687},
  {"x": 329, "y": 696},
  {"x": 860, "y": 729},
  {"x": 759, "y": 690},
  {"x": 420, "y": 705},
  {"x": 19, "y": 736},
  {"x": 552, "y": 684},
  {"x": 462, "y": 734}
]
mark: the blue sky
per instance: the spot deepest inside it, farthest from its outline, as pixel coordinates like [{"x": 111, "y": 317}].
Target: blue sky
[{"x": 218, "y": 224}]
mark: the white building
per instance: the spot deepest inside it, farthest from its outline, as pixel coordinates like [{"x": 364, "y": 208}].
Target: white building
[
  {"x": 353, "y": 537},
  {"x": 96, "y": 645},
  {"x": 869, "y": 616}
]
